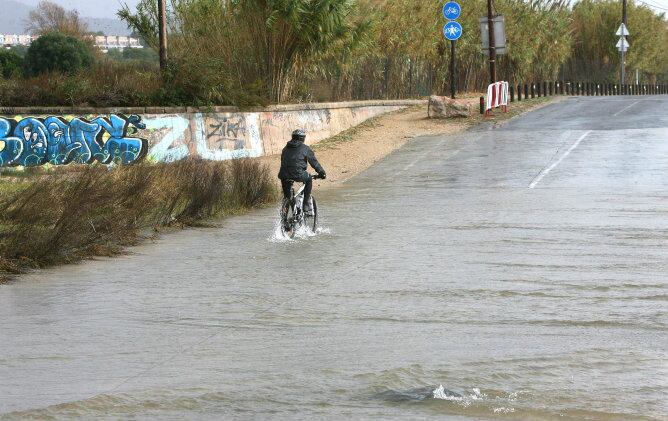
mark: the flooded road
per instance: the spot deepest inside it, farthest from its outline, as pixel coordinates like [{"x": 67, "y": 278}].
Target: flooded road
[{"x": 516, "y": 272}]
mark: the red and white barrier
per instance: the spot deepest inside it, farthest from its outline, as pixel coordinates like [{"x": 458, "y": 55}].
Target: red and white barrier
[{"x": 497, "y": 96}]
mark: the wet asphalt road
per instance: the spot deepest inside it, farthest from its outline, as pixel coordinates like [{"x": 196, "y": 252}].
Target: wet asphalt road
[{"x": 521, "y": 266}]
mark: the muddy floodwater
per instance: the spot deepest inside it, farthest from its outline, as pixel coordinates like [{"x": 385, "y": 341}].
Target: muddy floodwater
[{"x": 517, "y": 272}]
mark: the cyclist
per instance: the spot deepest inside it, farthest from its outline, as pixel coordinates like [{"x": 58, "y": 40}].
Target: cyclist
[{"x": 295, "y": 158}]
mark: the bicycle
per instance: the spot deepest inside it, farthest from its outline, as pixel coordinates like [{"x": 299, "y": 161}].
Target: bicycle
[{"x": 292, "y": 214}]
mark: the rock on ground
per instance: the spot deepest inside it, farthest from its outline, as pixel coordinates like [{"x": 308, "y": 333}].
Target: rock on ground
[{"x": 444, "y": 107}]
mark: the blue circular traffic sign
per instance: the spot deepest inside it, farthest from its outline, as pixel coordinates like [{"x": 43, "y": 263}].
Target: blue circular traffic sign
[
  {"x": 452, "y": 30},
  {"x": 452, "y": 10}
]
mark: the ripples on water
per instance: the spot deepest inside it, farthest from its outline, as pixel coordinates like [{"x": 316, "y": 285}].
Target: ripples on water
[
  {"x": 529, "y": 401},
  {"x": 469, "y": 301},
  {"x": 607, "y": 383}
]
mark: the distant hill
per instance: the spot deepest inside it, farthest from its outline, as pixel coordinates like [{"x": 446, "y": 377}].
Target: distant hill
[
  {"x": 14, "y": 16},
  {"x": 108, "y": 26}
]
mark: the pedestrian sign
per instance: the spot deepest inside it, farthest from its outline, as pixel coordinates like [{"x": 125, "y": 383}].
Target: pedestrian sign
[
  {"x": 452, "y": 31},
  {"x": 452, "y": 10}
]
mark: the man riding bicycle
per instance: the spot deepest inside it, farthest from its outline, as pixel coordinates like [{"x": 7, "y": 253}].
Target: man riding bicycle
[{"x": 295, "y": 158}]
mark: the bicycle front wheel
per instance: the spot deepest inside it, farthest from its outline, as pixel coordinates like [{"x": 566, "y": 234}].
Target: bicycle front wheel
[
  {"x": 311, "y": 221},
  {"x": 288, "y": 219}
]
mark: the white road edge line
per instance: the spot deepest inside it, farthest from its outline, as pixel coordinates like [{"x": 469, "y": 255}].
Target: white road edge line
[
  {"x": 547, "y": 170},
  {"x": 625, "y": 108}
]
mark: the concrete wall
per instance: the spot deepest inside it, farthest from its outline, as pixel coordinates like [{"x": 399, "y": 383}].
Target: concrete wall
[{"x": 32, "y": 137}]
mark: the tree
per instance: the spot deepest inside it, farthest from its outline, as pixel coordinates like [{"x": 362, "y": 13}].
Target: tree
[
  {"x": 56, "y": 52},
  {"x": 286, "y": 33},
  {"x": 10, "y": 63},
  {"x": 594, "y": 54},
  {"x": 248, "y": 42},
  {"x": 50, "y": 17}
]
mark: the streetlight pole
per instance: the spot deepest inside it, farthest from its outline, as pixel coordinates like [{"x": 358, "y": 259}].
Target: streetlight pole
[
  {"x": 162, "y": 18},
  {"x": 492, "y": 43}
]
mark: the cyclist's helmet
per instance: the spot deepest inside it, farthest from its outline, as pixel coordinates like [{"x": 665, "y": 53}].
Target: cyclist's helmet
[{"x": 299, "y": 134}]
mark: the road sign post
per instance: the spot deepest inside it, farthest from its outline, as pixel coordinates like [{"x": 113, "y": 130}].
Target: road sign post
[
  {"x": 453, "y": 77},
  {"x": 492, "y": 43},
  {"x": 622, "y": 46},
  {"x": 452, "y": 32}
]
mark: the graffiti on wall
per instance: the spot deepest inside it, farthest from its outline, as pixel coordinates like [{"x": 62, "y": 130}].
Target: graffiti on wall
[
  {"x": 222, "y": 136},
  {"x": 166, "y": 137},
  {"x": 224, "y": 127},
  {"x": 36, "y": 141},
  {"x": 226, "y": 132},
  {"x": 228, "y": 136}
]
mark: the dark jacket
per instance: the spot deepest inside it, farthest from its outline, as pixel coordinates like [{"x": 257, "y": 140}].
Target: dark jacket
[{"x": 295, "y": 159}]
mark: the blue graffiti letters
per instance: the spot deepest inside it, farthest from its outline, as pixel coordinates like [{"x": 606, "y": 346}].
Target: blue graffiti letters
[{"x": 36, "y": 141}]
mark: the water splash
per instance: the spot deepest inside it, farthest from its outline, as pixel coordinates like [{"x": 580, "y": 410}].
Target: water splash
[
  {"x": 303, "y": 233},
  {"x": 465, "y": 400}
]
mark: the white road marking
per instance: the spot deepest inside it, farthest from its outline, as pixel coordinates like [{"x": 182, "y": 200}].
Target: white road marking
[
  {"x": 547, "y": 170},
  {"x": 625, "y": 108}
]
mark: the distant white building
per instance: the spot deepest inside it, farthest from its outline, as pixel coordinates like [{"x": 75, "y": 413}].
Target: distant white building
[
  {"x": 25, "y": 39},
  {"x": 105, "y": 43},
  {"x": 12, "y": 40}
]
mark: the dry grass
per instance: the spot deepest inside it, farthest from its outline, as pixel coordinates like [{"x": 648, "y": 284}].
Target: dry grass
[{"x": 67, "y": 216}]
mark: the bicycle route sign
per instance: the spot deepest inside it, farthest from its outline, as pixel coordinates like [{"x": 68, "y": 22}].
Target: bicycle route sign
[{"x": 452, "y": 10}]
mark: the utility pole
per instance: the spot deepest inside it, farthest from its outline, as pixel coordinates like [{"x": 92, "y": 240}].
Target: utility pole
[
  {"x": 162, "y": 18},
  {"x": 492, "y": 42},
  {"x": 622, "y": 70}
]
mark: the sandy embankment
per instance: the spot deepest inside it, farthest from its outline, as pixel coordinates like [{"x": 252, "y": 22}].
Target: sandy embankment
[{"x": 353, "y": 151}]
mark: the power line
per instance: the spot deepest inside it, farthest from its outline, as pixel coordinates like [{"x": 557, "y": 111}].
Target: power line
[
  {"x": 653, "y": 3},
  {"x": 646, "y": 3}
]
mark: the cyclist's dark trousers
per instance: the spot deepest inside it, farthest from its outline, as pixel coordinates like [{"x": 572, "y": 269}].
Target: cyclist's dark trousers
[{"x": 305, "y": 178}]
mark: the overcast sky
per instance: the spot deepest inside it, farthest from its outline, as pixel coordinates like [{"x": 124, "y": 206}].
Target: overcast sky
[{"x": 108, "y": 8}]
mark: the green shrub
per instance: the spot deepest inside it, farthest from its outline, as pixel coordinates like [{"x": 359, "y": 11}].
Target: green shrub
[
  {"x": 105, "y": 84},
  {"x": 21, "y": 50},
  {"x": 10, "y": 63},
  {"x": 56, "y": 52},
  {"x": 139, "y": 55}
]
